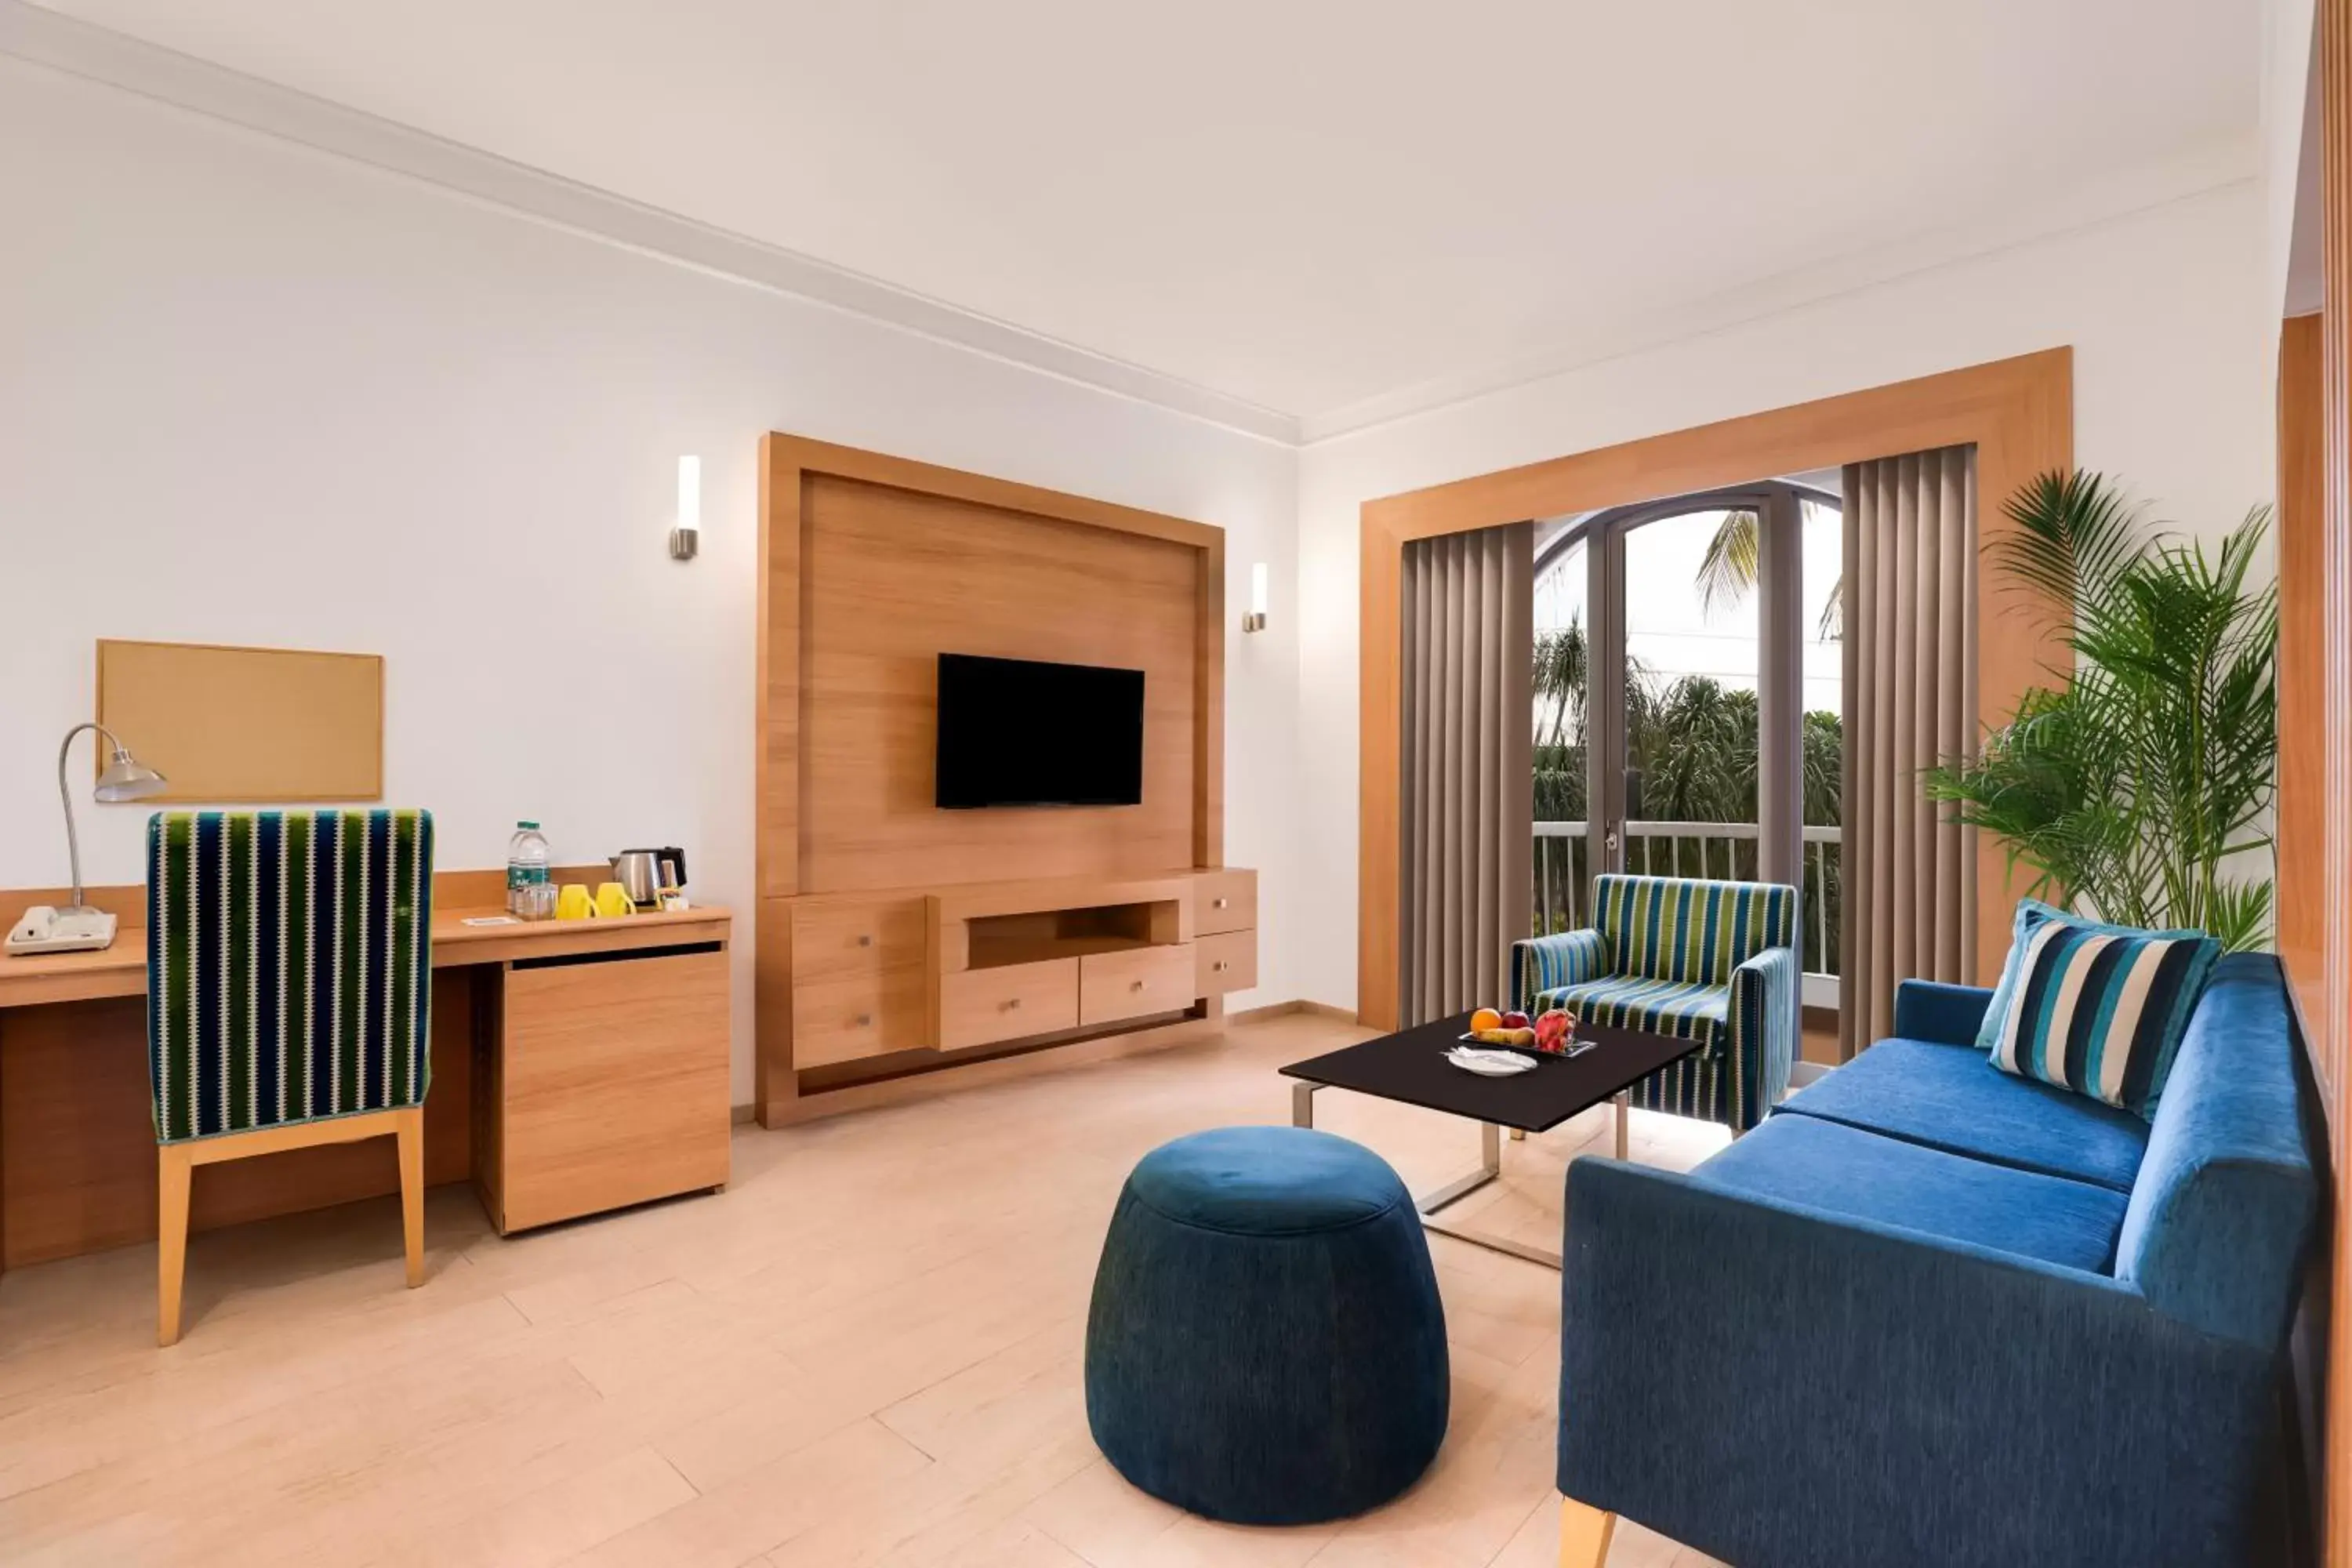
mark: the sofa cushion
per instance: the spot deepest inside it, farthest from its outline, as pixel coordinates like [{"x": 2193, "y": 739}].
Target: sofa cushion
[
  {"x": 2099, "y": 1009},
  {"x": 1682, "y": 1010},
  {"x": 1844, "y": 1171},
  {"x": 1943, "y": 1097}
]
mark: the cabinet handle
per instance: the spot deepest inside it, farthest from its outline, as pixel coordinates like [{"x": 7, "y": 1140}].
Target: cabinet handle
[
  {"x": 1217, "y": 904},
  {"x": 1218, "y": 967},
  {"x": 1014, "y": 1005},
  {"x": 866, "y": 1020},
  {"x": 865, "y": 938},
  {"x": 1135, "y": 985}
]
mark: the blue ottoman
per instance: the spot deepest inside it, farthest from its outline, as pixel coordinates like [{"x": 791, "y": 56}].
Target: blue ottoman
[{"x": 1267, "y": 1345}]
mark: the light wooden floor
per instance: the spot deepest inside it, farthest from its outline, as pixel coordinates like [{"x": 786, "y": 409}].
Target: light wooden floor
[{"x": 867, "y": 1350}]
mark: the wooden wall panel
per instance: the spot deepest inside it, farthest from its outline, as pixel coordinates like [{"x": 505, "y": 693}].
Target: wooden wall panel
[
  {"x": 2330, "y": 1023},
  {"x": 2302, "y": 696},
  {"x": 2018, "y": 413},
  {"x": 871, "y": 566},
  {"x": 894, "y": 579}
]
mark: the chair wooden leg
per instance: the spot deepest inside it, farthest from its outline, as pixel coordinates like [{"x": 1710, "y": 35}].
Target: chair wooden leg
[
  {"x": 410, "y": 1134},
  {"x": 173, "y": 1170},
  {"x": 1584, "y": 1533}
]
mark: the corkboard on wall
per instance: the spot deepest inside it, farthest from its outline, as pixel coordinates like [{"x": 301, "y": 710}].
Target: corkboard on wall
[{"x": 248, "y": 725}]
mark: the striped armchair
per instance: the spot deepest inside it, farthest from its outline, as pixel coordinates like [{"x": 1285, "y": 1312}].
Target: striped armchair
[
  {"x": 290, "y": 998},
  {"x": 1712, "y": 962}
]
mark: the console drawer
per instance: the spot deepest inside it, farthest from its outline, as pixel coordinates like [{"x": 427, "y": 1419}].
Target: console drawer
[
  {"x": 1135, "y": 982},
  {"x": 1223, "y": 902},
  {"x": 1227, "y": 962},
  {"x": 852, "y": 1016},
  {"x": 978, "y": 1007},
  {"x": 856, "y": 937}
]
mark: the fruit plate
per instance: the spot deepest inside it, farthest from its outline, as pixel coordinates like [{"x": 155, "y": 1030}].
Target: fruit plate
[
  {"x": 1576, "y": 1048},
  {"x": 1490, "y": 1061}
]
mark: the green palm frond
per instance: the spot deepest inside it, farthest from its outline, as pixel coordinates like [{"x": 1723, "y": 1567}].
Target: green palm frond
[
  {"x": 1726, "y": 572},
  {"x": 2129, "y": 789}
]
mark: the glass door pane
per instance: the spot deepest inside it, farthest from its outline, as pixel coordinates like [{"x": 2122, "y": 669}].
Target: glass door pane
[
  {"x": 1562, "y": 863},
  {"x": 1823, "y": 743},
  {"x": 1689, "y": 736}
]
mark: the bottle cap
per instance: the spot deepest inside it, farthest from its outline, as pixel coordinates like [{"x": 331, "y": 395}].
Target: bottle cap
[{"x": 532, "y": 826}]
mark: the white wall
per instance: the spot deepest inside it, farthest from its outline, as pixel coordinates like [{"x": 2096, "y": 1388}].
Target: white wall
[
  {"x": 2285, "y": 83},
  {"x": 254, "y": 394},
  {"x": 2171, "y": 321}
]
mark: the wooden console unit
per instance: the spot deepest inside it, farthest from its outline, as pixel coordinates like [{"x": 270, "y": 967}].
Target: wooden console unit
[
  {"x": 910, "y": 982},
  {"x": 895, "y": 939}
]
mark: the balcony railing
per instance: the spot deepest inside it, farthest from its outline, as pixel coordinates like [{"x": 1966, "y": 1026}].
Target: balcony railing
[{"x": 1563, "y": 878}]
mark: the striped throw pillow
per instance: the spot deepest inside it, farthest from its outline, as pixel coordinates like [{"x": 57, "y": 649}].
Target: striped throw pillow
[{"x": 2099, "y": 1009}]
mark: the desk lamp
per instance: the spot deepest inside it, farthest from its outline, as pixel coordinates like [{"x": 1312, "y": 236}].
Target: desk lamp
[{"x": 78, "y": 927}]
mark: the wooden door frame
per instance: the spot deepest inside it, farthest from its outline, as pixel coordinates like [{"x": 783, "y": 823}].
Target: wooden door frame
[{"x": 2018, "y": 413}]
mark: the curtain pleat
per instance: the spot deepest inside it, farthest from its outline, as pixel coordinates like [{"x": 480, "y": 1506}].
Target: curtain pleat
[
  {"x": 1468, "y": 785},
  {"x": 1910, "y": 696}
]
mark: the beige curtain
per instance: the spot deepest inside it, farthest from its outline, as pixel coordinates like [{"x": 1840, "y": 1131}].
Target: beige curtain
[
  {"x": 1469, "y": 787},
  {"x": 1909, "y": 613}
]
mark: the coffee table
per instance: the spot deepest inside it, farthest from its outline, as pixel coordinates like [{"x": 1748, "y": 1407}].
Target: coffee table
[{"x": 1411, "y": 1066}]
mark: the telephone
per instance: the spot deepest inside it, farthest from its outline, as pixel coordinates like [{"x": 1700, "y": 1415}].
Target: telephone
[{"x": 44, "y": 929}]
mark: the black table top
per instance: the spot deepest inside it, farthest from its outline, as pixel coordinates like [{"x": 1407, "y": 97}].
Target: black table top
[{"x": 1410, "y": 1066}]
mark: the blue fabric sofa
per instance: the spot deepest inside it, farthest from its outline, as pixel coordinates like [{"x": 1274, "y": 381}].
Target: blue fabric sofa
[{"x": 1930, "y": 1313}]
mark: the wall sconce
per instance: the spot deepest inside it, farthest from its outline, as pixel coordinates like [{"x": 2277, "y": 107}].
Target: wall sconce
[
  {"x": 1256, "y": 620},
  {"x": 687, "y": 537}
]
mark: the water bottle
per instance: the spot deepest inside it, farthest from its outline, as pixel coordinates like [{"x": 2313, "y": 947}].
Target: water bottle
[{"x": 529, "y": 893}]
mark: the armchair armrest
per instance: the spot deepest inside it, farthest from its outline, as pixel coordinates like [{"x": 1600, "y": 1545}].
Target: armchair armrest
[
  {"x": 1773, "y": 1383},
  {"x": 1547, "y": 963},
  {"x": 1943, "y": 1013},
  {"x": 1764, "y": 1028}
]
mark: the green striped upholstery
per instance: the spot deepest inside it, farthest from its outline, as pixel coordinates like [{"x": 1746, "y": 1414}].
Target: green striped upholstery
[
  {"x": 1679, "y": 1009},
  {"x": 288, "y": 966},
  {"x": 1711, "y": 962},
  {"x": 1548, "y": 963},
  {"x": 1675, "y": 928}
]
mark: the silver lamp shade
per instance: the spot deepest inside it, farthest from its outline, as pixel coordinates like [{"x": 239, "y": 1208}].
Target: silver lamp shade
[{"x": 124, "y": 777}]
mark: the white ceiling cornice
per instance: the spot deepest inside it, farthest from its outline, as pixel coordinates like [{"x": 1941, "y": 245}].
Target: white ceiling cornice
[
  {"x": 2100, "y": 201},
  {"x": 66, "y": 44}
]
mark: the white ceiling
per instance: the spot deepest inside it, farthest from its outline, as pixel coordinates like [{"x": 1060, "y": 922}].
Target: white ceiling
[{"x": 1304, "y": 204}]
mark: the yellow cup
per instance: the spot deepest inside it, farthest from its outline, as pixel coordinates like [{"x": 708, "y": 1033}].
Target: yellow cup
[
  {"x": 572, "y": 903},
  {"x": 613, "y": 900}
]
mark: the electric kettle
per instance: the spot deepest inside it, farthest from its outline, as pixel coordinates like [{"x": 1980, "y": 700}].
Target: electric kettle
[{"x": 643, "y": 873}]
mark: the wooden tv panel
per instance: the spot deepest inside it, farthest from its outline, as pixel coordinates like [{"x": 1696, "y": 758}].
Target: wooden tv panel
[{"x": 897, "y": 941}]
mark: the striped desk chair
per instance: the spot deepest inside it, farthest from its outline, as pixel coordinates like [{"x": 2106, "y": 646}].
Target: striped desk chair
[
  {"x": 290, "y": 998},
  {"x": 1712, "y": 962}
]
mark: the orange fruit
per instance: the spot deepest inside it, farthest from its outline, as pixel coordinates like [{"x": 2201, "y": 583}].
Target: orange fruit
[{"x": 1485, "y": 1018}]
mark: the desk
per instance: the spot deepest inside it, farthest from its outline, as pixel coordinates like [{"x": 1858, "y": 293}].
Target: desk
[{"x": 577, "y": 1065}]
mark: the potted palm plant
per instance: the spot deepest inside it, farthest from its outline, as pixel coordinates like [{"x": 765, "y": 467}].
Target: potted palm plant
[{"x": 2136, "y": 786}]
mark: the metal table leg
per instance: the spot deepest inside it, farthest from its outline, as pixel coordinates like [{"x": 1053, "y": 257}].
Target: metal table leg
[{"x": 1490, "y": 1167}]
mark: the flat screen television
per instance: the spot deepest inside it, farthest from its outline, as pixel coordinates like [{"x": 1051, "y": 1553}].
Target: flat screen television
[{"x": 1017, "y": 732}]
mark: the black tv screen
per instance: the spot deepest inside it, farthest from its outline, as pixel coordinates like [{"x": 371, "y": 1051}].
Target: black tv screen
[{"x": 1015, "y": 731}]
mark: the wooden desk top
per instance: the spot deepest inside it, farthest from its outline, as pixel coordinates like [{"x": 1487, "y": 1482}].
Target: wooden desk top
[{"x": 33, "y": 979}]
